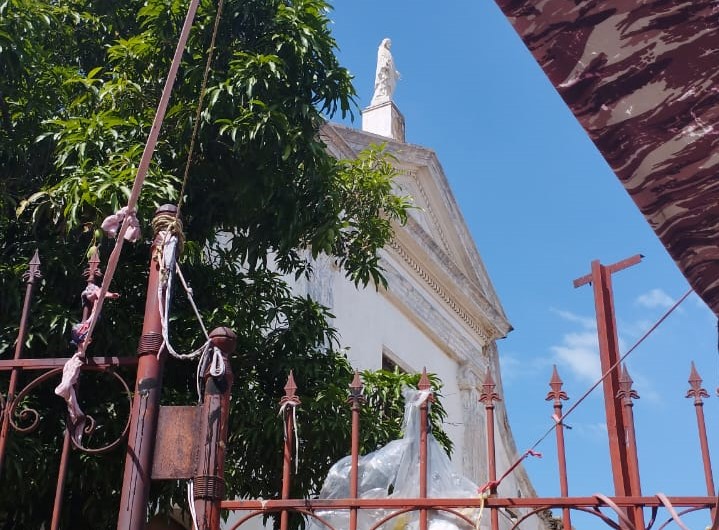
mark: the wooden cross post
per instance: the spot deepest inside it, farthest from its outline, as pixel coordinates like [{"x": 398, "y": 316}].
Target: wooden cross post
[{"x": 601, "y": 280}]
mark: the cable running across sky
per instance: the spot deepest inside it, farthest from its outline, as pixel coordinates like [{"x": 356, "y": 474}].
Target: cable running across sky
[{"x": 531, "y": 451}]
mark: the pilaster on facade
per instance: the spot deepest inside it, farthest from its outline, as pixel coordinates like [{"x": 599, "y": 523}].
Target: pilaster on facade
[{"x": 474, "y": 455}]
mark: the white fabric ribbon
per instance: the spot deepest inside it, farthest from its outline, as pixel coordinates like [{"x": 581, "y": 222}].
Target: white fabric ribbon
[
  {"x": 71, "y": 371},
  {"x": 283, "y": 409},
  {"x": 66, "y": 390},
  {"x": 112, "y": 223}
]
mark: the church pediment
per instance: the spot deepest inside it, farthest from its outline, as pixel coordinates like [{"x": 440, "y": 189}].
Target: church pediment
[{"x": 435, "y": 236}]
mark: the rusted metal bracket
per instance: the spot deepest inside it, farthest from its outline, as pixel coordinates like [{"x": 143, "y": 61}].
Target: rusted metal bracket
[
  {"x": 191, "y": 440},
  {"x": 176, "y": 447}
]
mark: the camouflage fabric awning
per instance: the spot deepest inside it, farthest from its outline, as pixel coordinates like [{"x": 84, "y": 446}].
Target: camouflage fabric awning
[{"x": 643, "y": 80}]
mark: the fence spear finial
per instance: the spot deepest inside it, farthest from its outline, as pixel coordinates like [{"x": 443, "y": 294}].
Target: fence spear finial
[
  {"x": 626, "y": 392},
  {"x": 356, "y": 389},
  {"x": 696, "y": 391},
  {"x": 290, "y": 397},
  {"x": 33, "y": 270},
  {"x": 488, "y": 395},
  {"x": 556, "y": 383}
]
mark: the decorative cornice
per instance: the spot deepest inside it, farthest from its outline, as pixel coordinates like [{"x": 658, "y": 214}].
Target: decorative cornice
[
  {"x": 440, "y": 260},
  {"x": 422, "y": 308},
  {"x": 484, "y": 334}
]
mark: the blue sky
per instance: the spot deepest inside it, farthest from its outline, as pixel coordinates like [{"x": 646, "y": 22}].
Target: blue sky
[{"x": 541, "y": 204}]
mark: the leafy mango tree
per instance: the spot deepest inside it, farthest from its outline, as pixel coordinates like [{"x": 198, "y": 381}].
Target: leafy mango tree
[{"x": 79, "y": 82}]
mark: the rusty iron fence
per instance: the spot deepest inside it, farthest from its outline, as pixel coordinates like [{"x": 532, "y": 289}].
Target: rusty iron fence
[
  {"x": 188, "y": 442},
  {"x": 619, "y": 512}
]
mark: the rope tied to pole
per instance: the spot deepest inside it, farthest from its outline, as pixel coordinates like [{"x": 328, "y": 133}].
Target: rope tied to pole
[
  {"x": 170, "y": 225},
  {"x": 164, "y": 293},
  {"x": 169, "y": 229},
  {"x": 292, "y": 404},
  {"x": 198, "y": 111}
]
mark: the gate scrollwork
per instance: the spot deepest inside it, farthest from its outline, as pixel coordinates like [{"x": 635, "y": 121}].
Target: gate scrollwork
[{"x": 25, "y": 419}]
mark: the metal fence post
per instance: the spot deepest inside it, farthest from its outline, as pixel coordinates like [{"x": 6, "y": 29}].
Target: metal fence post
[
  {"x": 697, "y": 392},
  {"x": 289, "y": 401},
  {"x": 32, "y": 274},
  {"x": 355, "y": 399},
  {"x": 557, "y": 395},
  {"x": 488, "y": 396},
  {"x": 627, "y": 394},
  {"x": 423, "y": 386},
  {"x": 146, "y": 401},
  {"x": 209, "y": 483}
]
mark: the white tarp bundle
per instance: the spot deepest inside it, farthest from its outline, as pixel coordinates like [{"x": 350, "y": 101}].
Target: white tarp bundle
[{"x": 392, "y": 472}]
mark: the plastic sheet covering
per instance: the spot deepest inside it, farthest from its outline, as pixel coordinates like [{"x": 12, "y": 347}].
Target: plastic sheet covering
[{"x": 391, "y": 472}]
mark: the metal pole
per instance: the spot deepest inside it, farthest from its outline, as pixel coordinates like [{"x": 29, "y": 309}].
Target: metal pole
[
  {"x": 557, "y": 395},
  {"x": 601, "y": 280},
  {"x": 423, "y": 386},
  {"x": 698, "y": 393},
  {"x": 30, "y": 276},
  {"x": 488, "y": 396},
  {"x": 146, "y": 401},
  {"x": 289, "y": 401},
  {"x": 627, "y": 394},
  {"x": 355, "y": 400},
  {"x": 209, "y": 484},
  {"x": 60, "y": 486}
]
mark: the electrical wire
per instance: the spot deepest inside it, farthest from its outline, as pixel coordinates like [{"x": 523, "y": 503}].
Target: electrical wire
[{"x": 584, "y": 396}]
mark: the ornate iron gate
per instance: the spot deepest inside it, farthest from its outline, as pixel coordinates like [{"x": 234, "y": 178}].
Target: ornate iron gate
[{"x": 190, "y": 443}]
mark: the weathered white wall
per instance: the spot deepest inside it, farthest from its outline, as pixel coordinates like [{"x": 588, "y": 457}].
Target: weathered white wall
[{"x": 370, "y": 324}]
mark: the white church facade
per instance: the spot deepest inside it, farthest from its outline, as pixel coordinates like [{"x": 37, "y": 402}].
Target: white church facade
[{"x": 439, "y": 311}]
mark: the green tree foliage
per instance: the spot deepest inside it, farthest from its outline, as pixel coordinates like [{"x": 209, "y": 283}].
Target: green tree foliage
[{"x": 79, "y": 83}]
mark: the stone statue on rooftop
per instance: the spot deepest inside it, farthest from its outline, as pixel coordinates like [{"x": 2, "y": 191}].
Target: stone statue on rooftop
[{"x": 386, "y": 76}]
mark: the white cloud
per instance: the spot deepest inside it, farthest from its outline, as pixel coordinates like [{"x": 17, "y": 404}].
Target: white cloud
[
  {"x": 590, "y": 430},
  {"x": 585, "y": 322},
  {"x": 580, "y": 352},
  {"x": 514, "y": 368},
  {"x": 655, "y": 298},
  {"x": 634, "y": 329},
  {"x": 643, "y": 386}
]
